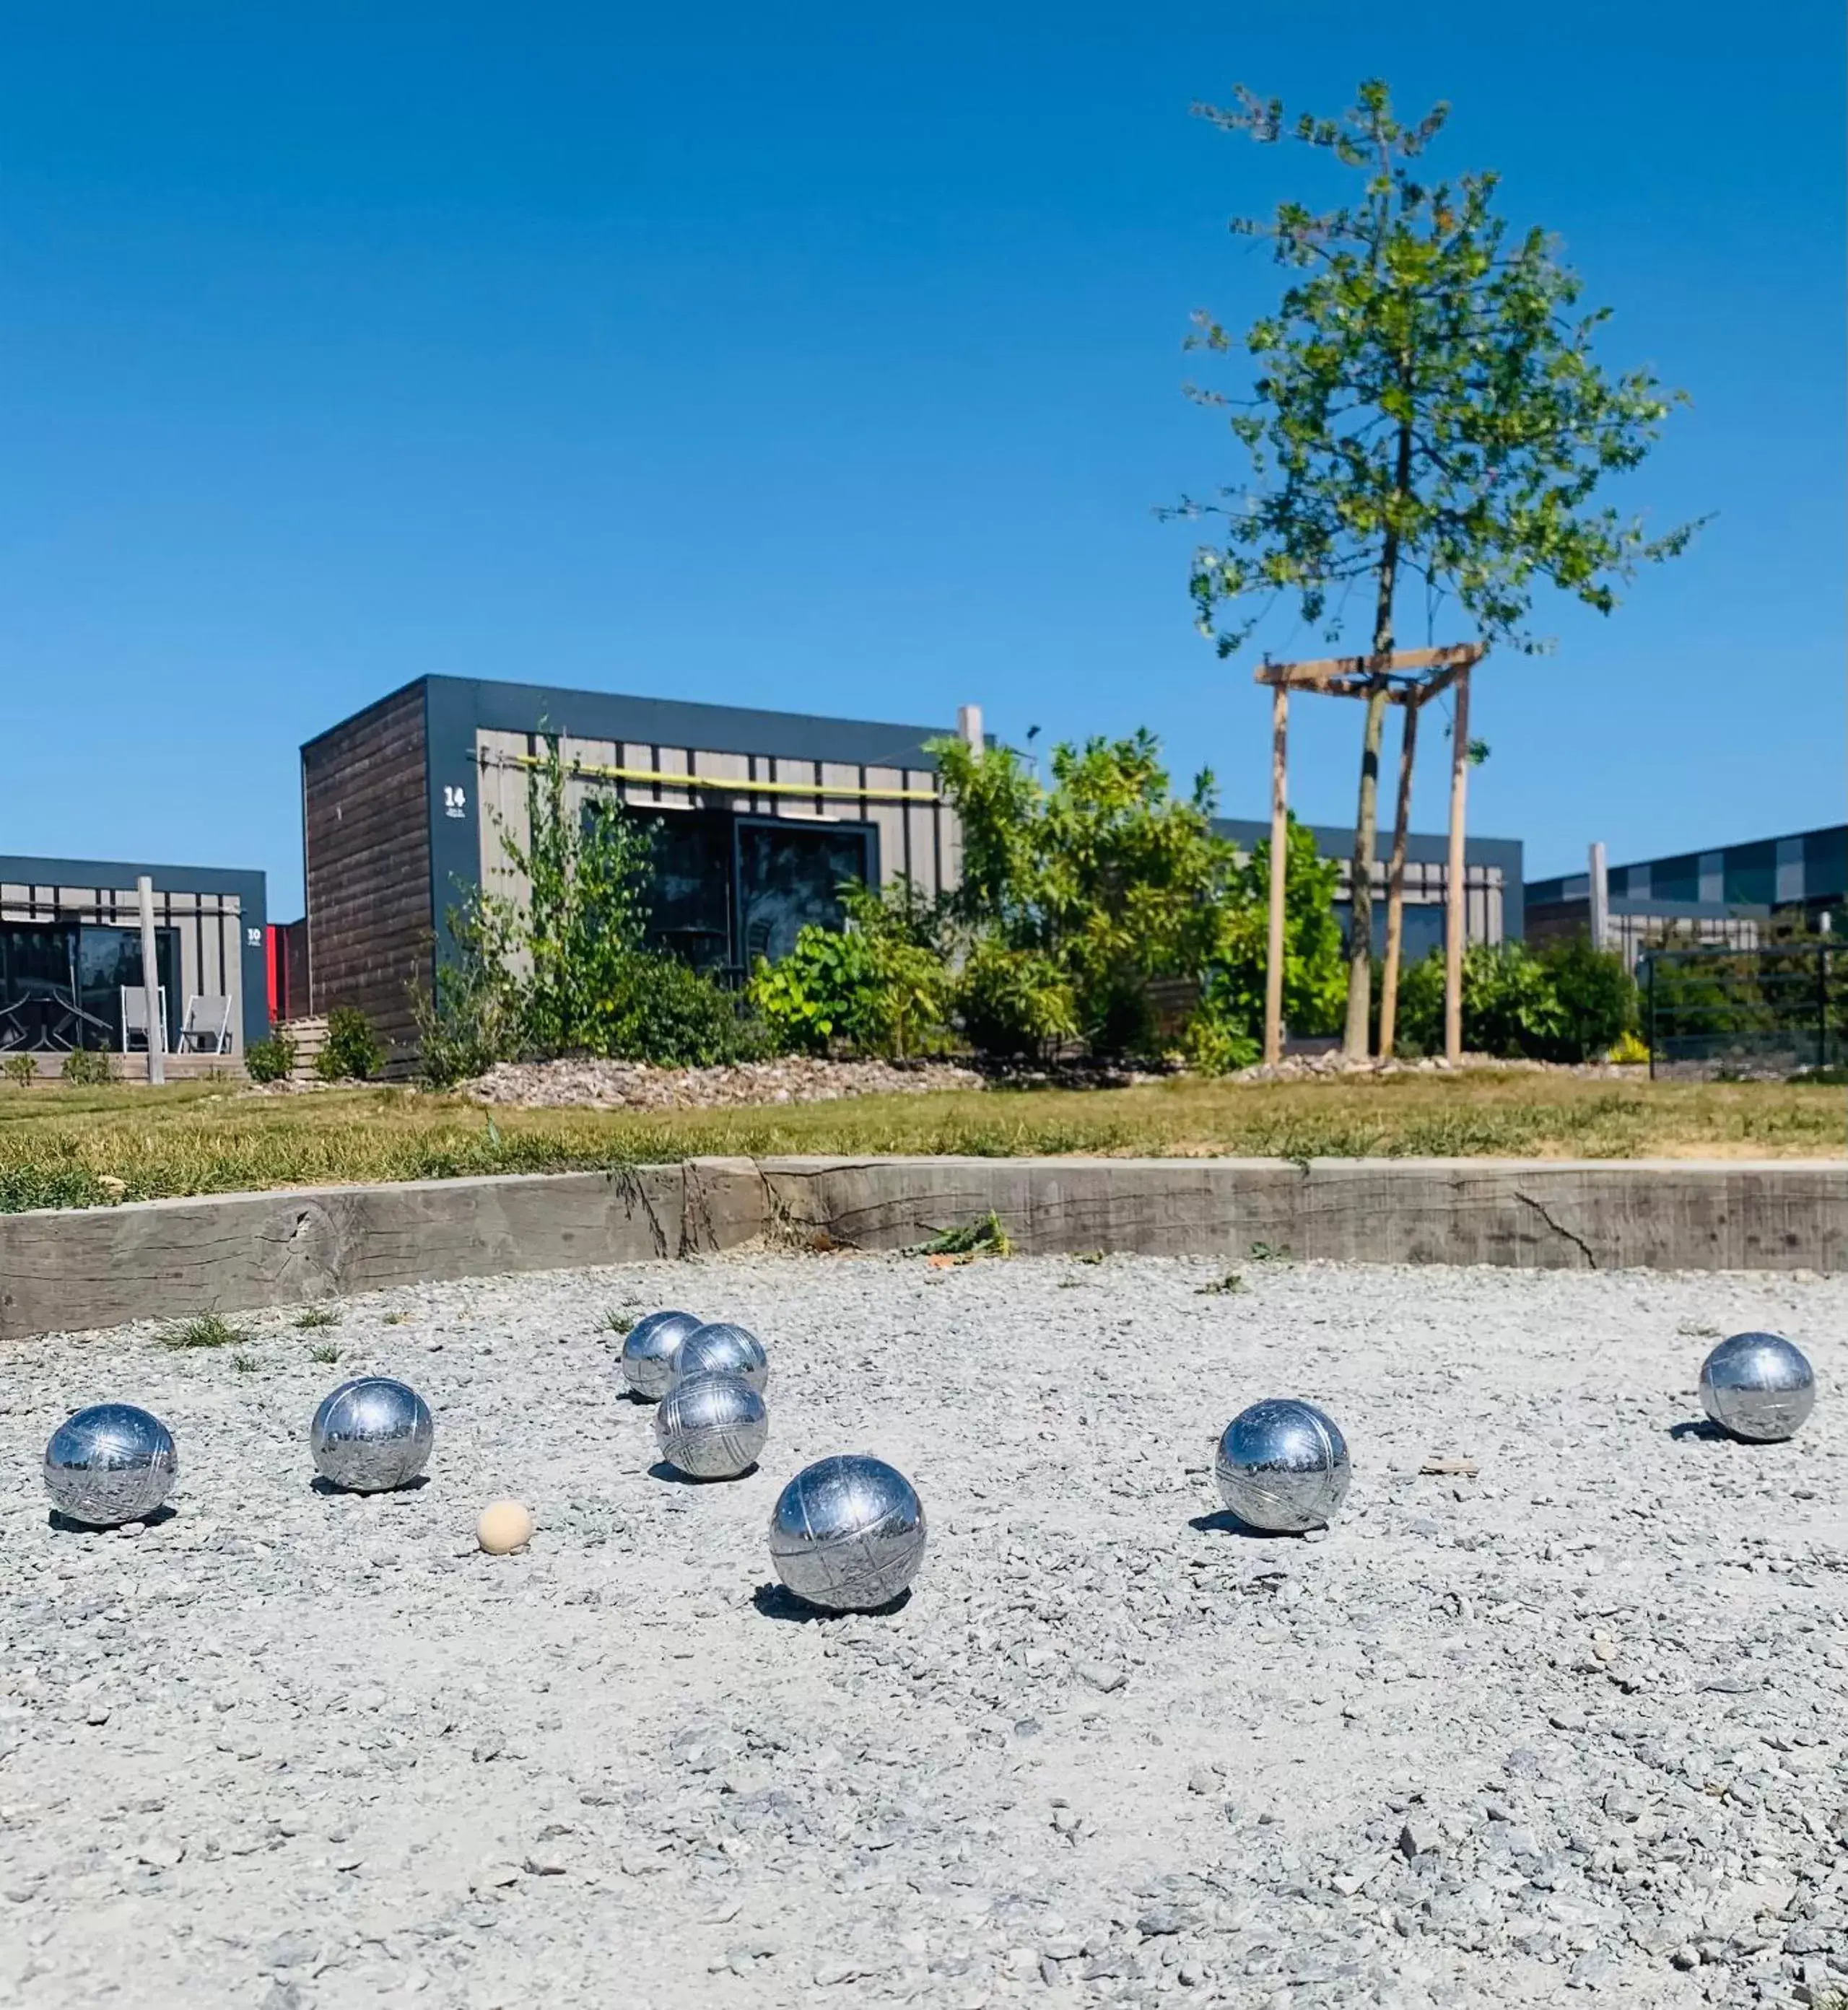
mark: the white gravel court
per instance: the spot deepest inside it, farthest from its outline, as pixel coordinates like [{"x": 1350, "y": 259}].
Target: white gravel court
[{"x": 1577, "y": 1725}]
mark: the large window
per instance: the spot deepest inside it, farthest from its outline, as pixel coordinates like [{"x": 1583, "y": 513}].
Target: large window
[
  {"x": 728, "y": 890},
  {"x": 61, "y": 983},
  {"x": 790, "y": 873}
]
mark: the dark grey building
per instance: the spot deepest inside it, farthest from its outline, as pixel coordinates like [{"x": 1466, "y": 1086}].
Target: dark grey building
[
  {"x": 1492, "y": 895},
  {"x": 1728, "y": 896},
  {"x": 70, "y": 943},
  {"x": 762, "y": 814}
]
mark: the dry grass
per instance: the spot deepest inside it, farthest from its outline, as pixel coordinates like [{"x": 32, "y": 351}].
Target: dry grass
[{"x": 62, "y": 1147}]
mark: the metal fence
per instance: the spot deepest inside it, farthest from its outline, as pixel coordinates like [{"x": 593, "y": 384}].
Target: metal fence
[{"x": 1771, "y": 1011}]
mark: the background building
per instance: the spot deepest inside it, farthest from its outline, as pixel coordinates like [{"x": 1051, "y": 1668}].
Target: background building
[
  {"x": 1727, "y": 897},
  {"x": 1492, "y": 891},
  {"x": 70, "y": 941},
  {"x": 765, "y": 813}
]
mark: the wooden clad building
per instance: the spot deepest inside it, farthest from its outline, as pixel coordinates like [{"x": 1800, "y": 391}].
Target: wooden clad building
[
  {"x": 756, "y": 818},
  {"x": 70, "y": 944}
]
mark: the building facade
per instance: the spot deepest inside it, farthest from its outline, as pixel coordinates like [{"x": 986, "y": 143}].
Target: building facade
[
  {"x": 759, "y": 817},
  {"x": 1733, "y": 898},
  {"x": 70, "y": 945},
  {"x": 1493, "y": 906}
]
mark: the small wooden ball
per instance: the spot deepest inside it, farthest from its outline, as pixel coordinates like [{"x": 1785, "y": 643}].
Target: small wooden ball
[{"x": 505, "y": 1527}]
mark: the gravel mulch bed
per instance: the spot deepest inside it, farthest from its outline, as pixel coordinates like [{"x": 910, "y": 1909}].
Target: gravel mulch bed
[
  {"x": 601, "y": 1085},
  {"x": 1577, "y": 1723}
]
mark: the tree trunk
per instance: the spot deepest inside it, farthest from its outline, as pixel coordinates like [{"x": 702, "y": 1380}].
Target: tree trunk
[{"x": 1360, "y": 926}]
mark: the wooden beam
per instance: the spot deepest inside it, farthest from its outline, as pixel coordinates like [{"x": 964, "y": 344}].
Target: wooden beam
[
  {"x": 1459, "y": 912},
  {"x": 1280, "y": 833},
  {"x": 1321, "y": 670},
  {"x": 1395, "y": 887}
]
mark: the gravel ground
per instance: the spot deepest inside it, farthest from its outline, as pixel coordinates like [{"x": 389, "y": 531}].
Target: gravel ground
[
  {"x": 600, "y": 1084},
  {"x": 1576, "y": 1724}
]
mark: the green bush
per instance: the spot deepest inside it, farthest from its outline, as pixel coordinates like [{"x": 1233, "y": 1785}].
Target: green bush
[
  {"x": 20, "y": 1070},
  {"x": 1597, "y": 998},
  {"x": 84, "y": 1067},
  {"x": 1510, "y": 1007},
  {"x": 353, "y": 1052},
  {"x": 1015, "y": 1002},
  {"x": 882, "y": 985},
  {"x": 270, "y": 1059},
  {"x": 658, "y": 1009}
]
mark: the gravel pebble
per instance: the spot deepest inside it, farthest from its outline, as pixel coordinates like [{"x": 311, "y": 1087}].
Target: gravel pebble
[{"x": 1571, "y": 1730}]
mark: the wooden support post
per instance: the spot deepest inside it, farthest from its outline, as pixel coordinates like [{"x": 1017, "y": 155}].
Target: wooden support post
[
  {"x": 1280, "y": 848},
  {"x": 1395, "y": 882},
  {"x": 151, "y": 980},
  {"x": 1457, "y": 903}
]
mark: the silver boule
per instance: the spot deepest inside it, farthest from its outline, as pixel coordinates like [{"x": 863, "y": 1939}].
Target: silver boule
[
  {"x": 723, "y": 1349},
  {"x": 1282, "y": 1465},
  {"x": 711, "y": 1426},
  {"x": 847, "y": 1534},
  {"x": 649, "y": 1347},
  {"x": 1757, "y": 1386},
  {"x": 371, "y": 1434},
  {"x": 110, "y": 1463}
]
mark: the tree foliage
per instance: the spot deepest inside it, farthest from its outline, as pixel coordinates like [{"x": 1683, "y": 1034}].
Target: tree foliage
[
  {"x": 1425, "y": 403},
  {"x": 1074, "y": 897}
]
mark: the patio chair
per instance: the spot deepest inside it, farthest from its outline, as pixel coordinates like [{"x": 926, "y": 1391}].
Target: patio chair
[
  {"x": 134, "y": 1019},
  {"x": 206, "y": 1029}
]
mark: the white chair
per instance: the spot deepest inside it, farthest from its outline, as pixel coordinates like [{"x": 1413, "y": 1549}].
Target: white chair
[
  {"x": 134, "y": 1018},
  {"x": 207, "y": 1027}
]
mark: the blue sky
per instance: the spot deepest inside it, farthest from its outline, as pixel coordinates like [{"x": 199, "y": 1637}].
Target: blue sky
[{"x": 830, "y": 358}]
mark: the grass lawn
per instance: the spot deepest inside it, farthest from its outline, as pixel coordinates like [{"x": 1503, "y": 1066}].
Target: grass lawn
[{"x": 73, "y": 1147}]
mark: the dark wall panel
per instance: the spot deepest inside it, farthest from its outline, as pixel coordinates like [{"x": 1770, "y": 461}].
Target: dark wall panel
[{"x": 366, "y": 823}]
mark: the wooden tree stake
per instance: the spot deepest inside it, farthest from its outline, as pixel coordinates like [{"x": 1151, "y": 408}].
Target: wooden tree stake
[
  {"x": 1279, "y": 847},
  {"x": 1395, "y": 886},
  {"x": 1458, "y": 914}
]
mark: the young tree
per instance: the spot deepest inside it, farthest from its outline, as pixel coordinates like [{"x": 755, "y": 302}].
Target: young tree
[{"x": 1425, "y": 406}]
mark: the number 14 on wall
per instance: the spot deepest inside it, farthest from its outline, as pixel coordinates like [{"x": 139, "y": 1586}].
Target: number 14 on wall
[{"x": 455, "y": 800}]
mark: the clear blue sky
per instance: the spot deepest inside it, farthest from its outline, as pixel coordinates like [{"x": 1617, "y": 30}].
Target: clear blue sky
[{"x": 829, "y": 357}]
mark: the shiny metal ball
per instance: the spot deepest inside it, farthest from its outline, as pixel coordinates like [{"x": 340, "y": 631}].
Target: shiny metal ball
[
  {"x": 1283, "y": 1465},
  {"x": 847, "y": 1534},
  {"x": 110, "y": 1463},
  {"x": 711, "y": 1426},
  {"x": 1757, "y": 1386},
  {"x": 371, "y": 1434},
  {"x": 723, "y": 1349},
  {"x": 649, "y": 1347}
]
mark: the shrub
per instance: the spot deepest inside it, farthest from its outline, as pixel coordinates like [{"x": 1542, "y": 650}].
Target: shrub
[
  {"x": 658, "y": 1009},
  {"x": 1510, "y": 1007},
  {"x": 882, "y": 985},
  {"x": 21, "y": 1071},
  {"x": 353, "y": 1052},
  {"x": 1015, "y": 1002},
  {"x": 1597, "y": 998},
  {"x": 85, "y": 1065},
  {"x": 271, "y": 1059}
]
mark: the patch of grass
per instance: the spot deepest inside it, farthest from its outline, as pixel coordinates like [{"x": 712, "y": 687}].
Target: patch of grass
[
  {"x": 1222, "y": 1287},
  {"x": 325, "y": 1353},
  {"x": 617, "y": 1323},
  {"x": 315, "y": 1315},
  {"x": 1269, "y": 1252},
  {"x": 245, "y": 1364},
  {"x": 1692, "y": 1330},
  {"x": 986, "y": 1237},
  {"x": 209, "y": 1330},
  {"x": 392, "y": 1318},
  {"x": 195, "y": 1138}
]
